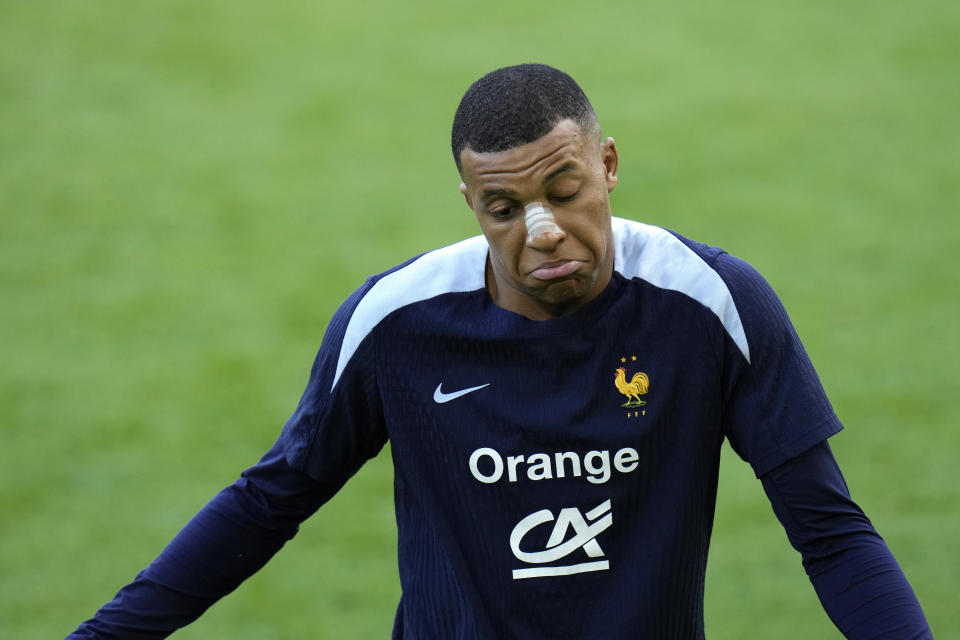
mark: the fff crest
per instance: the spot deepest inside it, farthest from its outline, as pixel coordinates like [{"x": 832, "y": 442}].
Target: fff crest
[{"x": 638, "y": 385}]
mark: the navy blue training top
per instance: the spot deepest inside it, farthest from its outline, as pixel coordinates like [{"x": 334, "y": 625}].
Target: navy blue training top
[
  {"x": 556, "y": 478},
  {"x": 560, "y": 475}
]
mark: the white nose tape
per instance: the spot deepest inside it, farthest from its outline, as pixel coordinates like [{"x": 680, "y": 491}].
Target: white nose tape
[{"x": 539, "y": 220}]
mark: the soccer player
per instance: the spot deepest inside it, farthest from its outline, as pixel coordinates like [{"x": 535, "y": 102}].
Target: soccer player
[{"x": 556, "y": 392}]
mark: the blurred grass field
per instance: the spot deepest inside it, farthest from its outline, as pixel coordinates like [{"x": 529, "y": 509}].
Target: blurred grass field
[{"x": 189, "y": 189}]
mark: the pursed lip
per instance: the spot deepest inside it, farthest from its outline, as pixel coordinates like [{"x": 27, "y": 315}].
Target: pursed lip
[{"x": 556, "y": 269}]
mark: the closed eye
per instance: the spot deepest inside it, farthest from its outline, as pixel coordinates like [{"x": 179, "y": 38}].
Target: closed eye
[
  {"x": 563, "y": 199},
  {"x": 502, "y": 213}
]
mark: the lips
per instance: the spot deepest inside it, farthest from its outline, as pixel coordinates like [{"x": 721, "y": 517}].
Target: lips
[{"x": 556, "y": 269}]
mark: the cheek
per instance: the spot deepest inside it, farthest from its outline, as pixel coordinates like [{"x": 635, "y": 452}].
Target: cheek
[
  {"x": 590, "y": 224},
  {"x": 506, "y": 242},
  {"x": 601, "y": 206}
]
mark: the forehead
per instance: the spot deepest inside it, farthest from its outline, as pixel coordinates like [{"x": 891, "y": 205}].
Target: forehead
[{"x": 567, "y": 147}]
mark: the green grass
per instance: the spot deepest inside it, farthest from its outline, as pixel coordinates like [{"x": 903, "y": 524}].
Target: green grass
[{"x": 188, "y": 190}]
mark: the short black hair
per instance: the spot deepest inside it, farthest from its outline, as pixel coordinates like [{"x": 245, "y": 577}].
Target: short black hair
[{"x": 513, "y": 106}]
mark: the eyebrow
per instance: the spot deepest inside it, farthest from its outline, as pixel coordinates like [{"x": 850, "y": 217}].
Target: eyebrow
[
  {"x": 568, "y": 166},
  {"x": 489, "y": 193}
]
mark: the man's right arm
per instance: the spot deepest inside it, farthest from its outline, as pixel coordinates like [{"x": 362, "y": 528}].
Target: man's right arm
[
  {"x": 337, "y": 426},
  {"x": 230, "y": 539}
]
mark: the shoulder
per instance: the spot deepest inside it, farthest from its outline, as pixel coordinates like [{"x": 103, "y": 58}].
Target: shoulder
[
  {"x": 455, "y": 268},
  {"x": 746, "y": 304},
  {"x": 667, "y": 260}
]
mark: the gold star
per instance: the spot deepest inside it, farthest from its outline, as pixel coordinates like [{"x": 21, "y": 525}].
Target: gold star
[
  {"x": 634, "y": 358},
  {"x": 623, "y": 359},
  {"x": 644, "y": 412}
]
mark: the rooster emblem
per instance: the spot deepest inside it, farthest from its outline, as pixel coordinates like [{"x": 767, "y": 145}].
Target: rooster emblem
[{"x": 638, "y": 386}]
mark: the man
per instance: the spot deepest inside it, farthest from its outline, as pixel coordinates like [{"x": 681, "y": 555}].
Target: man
[{"x": 556, "y": 392}]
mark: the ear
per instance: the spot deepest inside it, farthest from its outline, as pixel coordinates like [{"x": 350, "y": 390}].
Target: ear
[
  {"x": 611, "y": 162},
  {"x": 466, "y": 195}
]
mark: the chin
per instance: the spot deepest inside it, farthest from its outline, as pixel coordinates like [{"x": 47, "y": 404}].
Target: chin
[{"x": 566, "y": 293}]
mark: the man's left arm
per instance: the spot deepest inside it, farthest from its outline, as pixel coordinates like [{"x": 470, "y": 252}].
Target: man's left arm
[{"x": 856, "y": 577}]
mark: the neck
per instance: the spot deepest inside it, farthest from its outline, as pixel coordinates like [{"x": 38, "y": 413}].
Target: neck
[{"x": 513, "y": 298}]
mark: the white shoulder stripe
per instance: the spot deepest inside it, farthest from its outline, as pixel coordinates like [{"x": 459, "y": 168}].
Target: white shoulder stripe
[
  {"x": 458, "y": 267},
  {"x": 657, "y": 256}
]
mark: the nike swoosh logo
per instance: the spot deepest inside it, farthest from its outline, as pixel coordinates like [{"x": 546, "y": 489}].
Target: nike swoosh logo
[{"x": 440, "y": 397}]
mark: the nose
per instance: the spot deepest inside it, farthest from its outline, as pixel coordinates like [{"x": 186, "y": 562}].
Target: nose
[
  {"x": 546, "y": 241},
  {"x": 543, "y": 232}
]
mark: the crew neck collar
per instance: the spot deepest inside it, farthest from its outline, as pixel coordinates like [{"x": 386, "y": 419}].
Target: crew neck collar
[{"x": 574, "y": 321}]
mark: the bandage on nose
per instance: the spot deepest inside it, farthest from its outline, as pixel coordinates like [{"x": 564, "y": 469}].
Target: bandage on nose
[{"x": 539, "y": 220}]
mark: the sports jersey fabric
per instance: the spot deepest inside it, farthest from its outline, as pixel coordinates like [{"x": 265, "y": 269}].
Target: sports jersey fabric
[
  {"x": 554, "y": 478},
  {"x": 550, "y": 485}
]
